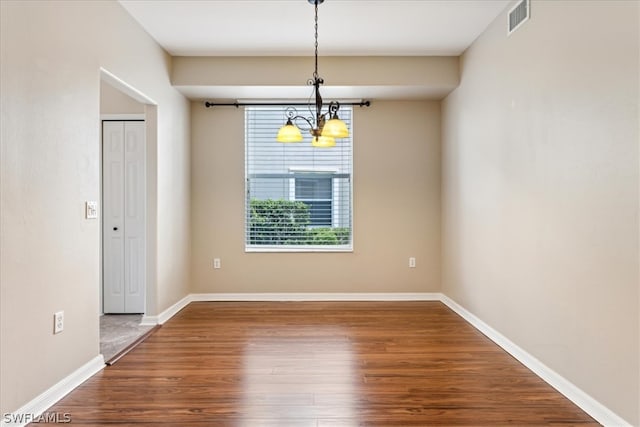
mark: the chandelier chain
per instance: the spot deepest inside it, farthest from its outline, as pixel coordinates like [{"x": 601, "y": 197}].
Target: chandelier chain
[{"x": 315, "y": 73}]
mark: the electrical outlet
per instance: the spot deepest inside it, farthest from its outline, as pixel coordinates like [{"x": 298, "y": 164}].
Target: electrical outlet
[
  {"x": 412, "y": 262},
  {"x": 216, "y": 263},
  {"x": 58, "y": 322}
]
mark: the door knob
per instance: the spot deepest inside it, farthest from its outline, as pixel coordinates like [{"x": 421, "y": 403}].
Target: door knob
[{"x": 115, "y": 228}]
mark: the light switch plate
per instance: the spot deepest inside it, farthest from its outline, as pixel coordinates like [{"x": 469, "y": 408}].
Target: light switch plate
[{"x": 91, "y": 210}]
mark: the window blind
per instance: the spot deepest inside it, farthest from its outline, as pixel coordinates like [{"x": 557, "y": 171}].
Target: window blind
[{"x": 298, "y": 197}]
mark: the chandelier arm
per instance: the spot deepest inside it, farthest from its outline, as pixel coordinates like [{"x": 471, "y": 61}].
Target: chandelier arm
[
  {"x": 310, "y": 82},
  {"x": 309, "y": 122},
  {"x": 334, "y": 106}
]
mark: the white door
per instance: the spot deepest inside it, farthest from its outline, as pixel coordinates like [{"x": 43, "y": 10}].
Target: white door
[{"x": 124, "y": 251}]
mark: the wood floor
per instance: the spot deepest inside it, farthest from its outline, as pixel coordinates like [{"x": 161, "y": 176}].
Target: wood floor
[{"x": 318, "y": 364}]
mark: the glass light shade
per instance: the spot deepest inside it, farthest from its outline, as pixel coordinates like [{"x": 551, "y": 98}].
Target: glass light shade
[
  {"x": 323, "y": 141},
  {"x": 335, "y": 128},
  {"x": 289, "y": 133}
]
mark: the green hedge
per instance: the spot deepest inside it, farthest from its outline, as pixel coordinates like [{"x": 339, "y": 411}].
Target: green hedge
[
  {"x": 285, "y": 222},
  {"x": 328, "y": 236},
  {"x": 278, "y": 222}
]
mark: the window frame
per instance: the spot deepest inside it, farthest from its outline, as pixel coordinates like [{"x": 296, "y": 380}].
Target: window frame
[{"x": 337, "y": 186}]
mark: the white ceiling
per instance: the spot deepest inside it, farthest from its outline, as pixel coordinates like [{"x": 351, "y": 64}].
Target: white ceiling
[{"x": 286, "y": 28}]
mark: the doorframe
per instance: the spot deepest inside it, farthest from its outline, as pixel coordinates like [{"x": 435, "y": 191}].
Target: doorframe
[
  {"x": 150, "y": 118},
  {"x": 122, "y": 117}
]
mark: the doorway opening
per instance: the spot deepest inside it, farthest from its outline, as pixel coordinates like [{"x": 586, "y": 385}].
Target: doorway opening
[{"x": 125, "y": 256}]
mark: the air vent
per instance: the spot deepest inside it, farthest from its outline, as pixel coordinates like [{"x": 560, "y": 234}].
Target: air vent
[{"x": 518, "y": 15}]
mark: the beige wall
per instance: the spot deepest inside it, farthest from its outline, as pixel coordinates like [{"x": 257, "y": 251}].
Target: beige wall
[
  {"x": 51, "y": 54},
  {"x": 113, "y": 101},
  {"x": 396, "y": 78},
  {"x": 437, "y": 71},
  {"x": 540, "y": 192},
  {"x": 396, "y": 208}
]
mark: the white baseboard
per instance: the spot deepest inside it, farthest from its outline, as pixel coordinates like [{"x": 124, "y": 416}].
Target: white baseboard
[
  {"x": 601, "y": 413},
  {"x": 174, "y": 309},
  {"x": 166, "y": 314},
  {"x": 44, "y": 401},
  {"x": 149, "y": 320},
  {"x": 319, "y": 297}
]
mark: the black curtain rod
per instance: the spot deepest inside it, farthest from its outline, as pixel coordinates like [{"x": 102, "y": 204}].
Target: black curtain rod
[{"x": 208, "y": 104}]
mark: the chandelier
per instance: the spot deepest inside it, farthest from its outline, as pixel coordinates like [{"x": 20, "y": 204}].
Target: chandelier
[{"x": 324, "y": 127}]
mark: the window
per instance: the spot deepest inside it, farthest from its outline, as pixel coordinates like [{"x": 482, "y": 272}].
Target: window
[
  {"x": 317, "y": 194},
  {"x": 298, "y": 197}
]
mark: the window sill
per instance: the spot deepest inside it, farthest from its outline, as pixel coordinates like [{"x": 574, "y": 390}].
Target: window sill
[{"x": 299, "y": 249}]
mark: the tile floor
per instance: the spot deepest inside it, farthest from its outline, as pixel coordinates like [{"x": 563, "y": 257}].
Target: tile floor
[{"x": 119, "y": 330}]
